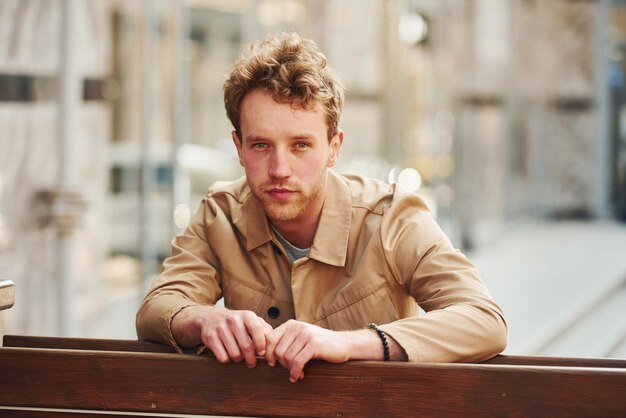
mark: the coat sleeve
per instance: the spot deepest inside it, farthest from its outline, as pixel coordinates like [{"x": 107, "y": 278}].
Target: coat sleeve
[
  {"x": 189, "y": 277},
  {"x": 462, "y": 322}
]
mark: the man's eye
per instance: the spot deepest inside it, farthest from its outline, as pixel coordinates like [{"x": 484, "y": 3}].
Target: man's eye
[
  {"x": 302, "y": 145},
  {"x": 259, "y": 146}
]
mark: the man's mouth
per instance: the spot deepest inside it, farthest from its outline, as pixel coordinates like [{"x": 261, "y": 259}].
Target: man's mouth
[{"x": 280, "y": 194}]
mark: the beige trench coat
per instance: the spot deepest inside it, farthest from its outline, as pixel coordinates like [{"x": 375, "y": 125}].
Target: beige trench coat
[{"x": 377, "y": 256}]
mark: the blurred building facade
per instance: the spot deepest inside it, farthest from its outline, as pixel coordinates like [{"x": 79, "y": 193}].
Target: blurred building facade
[
  {"x": 32, "y": 219},
  {"x": 507, "y": 109}
]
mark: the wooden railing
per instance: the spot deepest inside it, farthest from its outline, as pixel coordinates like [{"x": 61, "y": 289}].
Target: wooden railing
[{"x": 58, "y": 377}]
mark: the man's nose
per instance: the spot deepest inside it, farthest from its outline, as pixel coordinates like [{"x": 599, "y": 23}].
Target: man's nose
[{"x": 279, "y": 164}]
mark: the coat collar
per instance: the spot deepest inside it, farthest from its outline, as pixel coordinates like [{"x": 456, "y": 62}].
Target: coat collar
[
  {"x": 330, "y": 244},
  {"x": 253, "y": 223}
]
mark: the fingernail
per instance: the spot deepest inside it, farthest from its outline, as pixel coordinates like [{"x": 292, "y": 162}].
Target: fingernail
[
  {"x": 262, "y": 352},
  {"x": 250, "y": 366},
  {"x": 292, "y": 380}
]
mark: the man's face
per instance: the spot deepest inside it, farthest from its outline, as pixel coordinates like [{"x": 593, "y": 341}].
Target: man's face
[{"x": 285, "y": 153}]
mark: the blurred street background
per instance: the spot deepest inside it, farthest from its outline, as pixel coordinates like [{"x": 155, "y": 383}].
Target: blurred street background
[{"x": 507, "y": 116}]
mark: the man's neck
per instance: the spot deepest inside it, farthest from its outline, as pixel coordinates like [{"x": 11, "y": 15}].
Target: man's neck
[
  {"x": 298, "y": 235},
  {"x": 301, "y": 231}
]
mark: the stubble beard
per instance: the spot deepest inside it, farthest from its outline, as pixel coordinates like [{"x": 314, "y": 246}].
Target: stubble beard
[{"x": 295, "y": 207}]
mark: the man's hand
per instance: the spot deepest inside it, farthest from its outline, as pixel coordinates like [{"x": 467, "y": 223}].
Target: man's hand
[
  {"x": 230, "y": 335},
  {"x": 294, "y": 343}
]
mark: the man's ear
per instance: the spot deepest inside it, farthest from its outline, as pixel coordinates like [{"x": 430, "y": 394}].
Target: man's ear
[
  {"x": 238, "y": 145},
  {"x": 335, "y": 147}
]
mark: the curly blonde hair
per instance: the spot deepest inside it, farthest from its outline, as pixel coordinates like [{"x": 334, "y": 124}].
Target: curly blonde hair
[{"x": 290, "y": 68}]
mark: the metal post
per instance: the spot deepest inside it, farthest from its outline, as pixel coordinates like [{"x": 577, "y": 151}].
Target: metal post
[
  {"x": 181, "y": 88},
  {"x": 147, "y": 169},
  {"x": 391, "y": 148},
  {"x": 602, "y": 97},
  {"x": 69, "y": 102}
]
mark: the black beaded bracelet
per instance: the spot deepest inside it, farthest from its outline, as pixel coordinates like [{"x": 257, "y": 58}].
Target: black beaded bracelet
[{"x": 383, "y": 338}]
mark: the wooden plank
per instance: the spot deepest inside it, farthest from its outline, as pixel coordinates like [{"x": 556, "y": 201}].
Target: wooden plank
[
  {"x": 557, "y": 361},
  {"x": 84, "y": 344},
  {"x": 147, "y": 347},
  {"x": 7, "y": 294},
  {"x": 188, "y": 384}
]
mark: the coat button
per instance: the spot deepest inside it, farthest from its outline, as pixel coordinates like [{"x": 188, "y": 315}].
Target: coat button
[
  {"x": 273, "y": 312},
  {"x": 276, "y": 249}
]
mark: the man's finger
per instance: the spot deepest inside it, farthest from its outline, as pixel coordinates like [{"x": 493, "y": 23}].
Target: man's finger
[
  {"x": 218, "y": 350},
  {"x": 256, "y": 332},
  {"x": 293, "y": 351},
  {"x": 230, "y": 344},
  {"x": 246, "y": 346},
  {"x": 296, "y": 372},
  {"x": 267, "y": 328},
  {"x": 283, "y": 346},
  {"x": 272, "y": 339}
]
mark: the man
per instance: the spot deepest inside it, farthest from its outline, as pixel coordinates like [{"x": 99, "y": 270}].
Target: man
[{"x": 308, "y": 261}]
